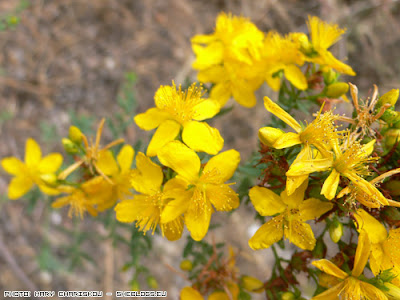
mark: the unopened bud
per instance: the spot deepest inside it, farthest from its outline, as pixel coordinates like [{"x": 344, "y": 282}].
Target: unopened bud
[
  {"x": 389, "y": 97},
  {"x": 252, "y": 284},
  {"x": 135, "y": 285},
  {"x": 186, "y": 265},
  {"x": 69, "y": 146},
  {"x": 49, "y": 179},
  {"x": 288, "y": 296},
  {"x": 335, "y": 90},
  {"x": 75, "y": 134},
  {"x": 330, "y": 77},
  {"x": 393, "y": 292},
  {"x": 152, "y": 282},
  {"x": 391, "y": 137},
  {"x": 269, "y": 135},
  {"x": 390, "y": 116},
  {"x": 336, "y": 231}
]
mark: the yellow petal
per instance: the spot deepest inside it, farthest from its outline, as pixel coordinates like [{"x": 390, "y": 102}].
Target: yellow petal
[
  {"x": 368, "y": 148},
  {"x": 48, "y": 190},
  {"x": 33, "y": 155},
  {"x": 18, "y": 187},
  {"x": 268, "y": 234},
  {"x": 125, "y": 157},
  {"x": 189, "y": 293},
  {"x": 330, "y": 185},
  {"x": 377, "y": 233},
  {"x": 265, "y": 201},
  {"x": 287, "y": 140},
  {"x": 173, "y": 230},
  {"x": 330, "y": 294},
  {"x": 313, "y": 208},
  {"x": 200, "y": 137},
  {"x": 165, "y": 133},
  {"x": 300, "y": 234},
  {"x": 281, "y": 114},
  {"x": 106, "y": 163},
  {"x": 131, "y": 210},
  {"x": 151, "y": 119},
  {"x": 309, "y": 166},
  {"x": 330, "y": 268},
  {"x": 221, "y": 92},
  {"x": 13, "y": 165},
  {"x": 197, "y": 217},
  {"x": 296, "y": 77},
  {"x": 176, "y": 183},
  {"x": 203, "y": 38},
  {"x": 223, "y": 165},
  {"x": 207, "y": 56},
  {"x": 293, "y": 182},
  {"x": 177, "y": 206},
  {"x": 243, "y": 94},
  {"x": 367, "y": 187},
  {"x": 273, "y": 82},
  {"x": 148, "y": 176},
  {"x": 362, "y": 254},
  {"x": 181, "y": 159},
  {"x": 372, "y": 292},
  {"x": 222, "y": 197},
  {"x": 206, "y": 110},
  {"x": 269, "y": 135},
  {"x": 297, "y": 197},
  {"x": 213, "y": 74},
  {"x": 50, "y": 163}
]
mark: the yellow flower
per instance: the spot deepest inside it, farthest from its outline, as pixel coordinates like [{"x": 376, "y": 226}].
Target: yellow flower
[
  {"x": 146, "y": 207},
  {"x": 283, "y": 54},
  {"x": 81, "y": 199},
  {"x": 189, "y": 293},
  {"x": 32, "y": 171},
  {"x": 177, "y": 109},
  {"x": 235, "y": 38},
  {"x": 205, "y": 186},
  {"x": 384, "y": 246},
  {"x": 118, "y": 171},
  {"x": 350, "y": 287},
  {"x": 324, "y": 35},
  {"x": 319, "y": 133},
  {"x": 292, "y": 212}
]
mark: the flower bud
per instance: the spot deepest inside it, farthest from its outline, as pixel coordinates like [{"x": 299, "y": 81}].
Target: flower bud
[
  {"x": 75, "y": 134},
  {"x": 252, "y": 284},
  {"x": 135, "y": 285},
  {"x": 393, "y": 292},
  {"x": 390, "y": 116},
  {"x": 336, "y": 231},
  {"x": 330, "y": 77},
  {"x": 337, "y": 89},
  {"x": 186, "y": 265},
  {"x": 391, "y": 136},
  {"x": 152, "y": 282},
  {"x": 269, "y": 135},
  {"x": 288, "y": 296},
  {"x": 389, "y": 97},
  {"x": 49, "y": 179},
  {"x": 69, "y": 146}
]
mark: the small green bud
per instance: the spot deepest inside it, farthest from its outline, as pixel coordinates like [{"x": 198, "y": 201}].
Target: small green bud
[
  {"x": 13, "y": 20},
  {"x": 75, "y": 134},
  {"x": 69, "y": 146},
  {"x": 337, "y": 89},
  {"x": 389, "y": 97},
  {"x": 391, "y": 136},
  {"x": 330, "y": 77},
  {"x": 186, "y": 265},
  {"x": 152, "y": 282},
  {"x": 390, "y": 116},
  {"x": 252, "y": 284},
  {"x": 135, "y": 285},
  {"x": 288, "y": 296},
  {"x": 336, "y": 231}
]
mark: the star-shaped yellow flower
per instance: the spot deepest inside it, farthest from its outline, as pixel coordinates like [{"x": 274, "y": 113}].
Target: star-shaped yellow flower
[
  {"x": 146, "y": 207},
  {"x": 292, "y": 212},
  {"x": 205, "y": 185},
  {"x": 32, "y": 171},
  {"x": 178, "y": 110},
  {"x": 350, "y": 286}
]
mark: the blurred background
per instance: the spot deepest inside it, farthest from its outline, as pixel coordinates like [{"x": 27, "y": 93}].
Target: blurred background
[{"x": 66, "y": 62}]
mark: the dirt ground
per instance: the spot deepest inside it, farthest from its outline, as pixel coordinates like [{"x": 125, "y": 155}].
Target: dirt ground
[{"x": 72, "y": 55}]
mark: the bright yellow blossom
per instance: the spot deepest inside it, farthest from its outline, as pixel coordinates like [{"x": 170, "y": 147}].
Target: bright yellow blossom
[
  {"x": 146, "y": 207},
  {"x": 189, "y": 293},
  {"x": 319, "y": 134},
  {"x": 350, "y": 286},
  {"x": 176, "y": 109},
  {"x": 323, "y": 36},
  {"x": 384, "y": 246},
  {"x": 34, "y": 170},
  {"x": 205, "y": 185},
  {"x": 283, "y": 54},
  {"x": 292, "y": 212}
]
